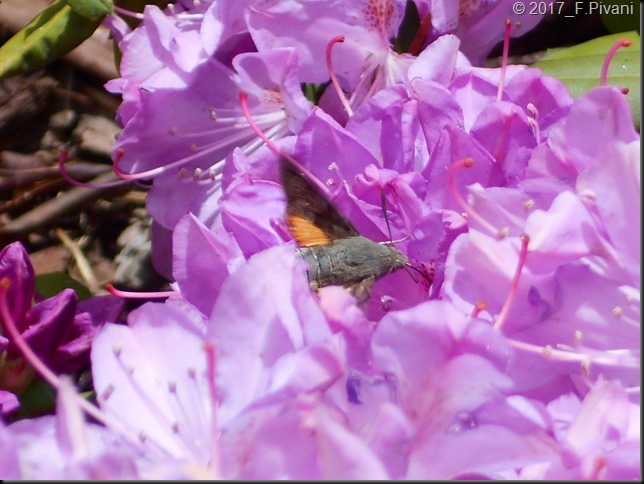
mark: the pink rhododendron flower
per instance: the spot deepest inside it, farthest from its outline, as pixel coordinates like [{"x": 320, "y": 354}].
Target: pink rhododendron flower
[{"x": 512, "y": 352}]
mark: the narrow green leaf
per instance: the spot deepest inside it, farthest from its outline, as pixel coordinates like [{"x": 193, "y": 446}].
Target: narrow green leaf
[
  {"x": 54, "y": 32},
  {"x": 92, "y": 9},
  {"x": 579, "y": 67}
]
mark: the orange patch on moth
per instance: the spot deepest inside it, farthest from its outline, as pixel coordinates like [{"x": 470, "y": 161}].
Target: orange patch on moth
[{"x": 305, "y": 233}]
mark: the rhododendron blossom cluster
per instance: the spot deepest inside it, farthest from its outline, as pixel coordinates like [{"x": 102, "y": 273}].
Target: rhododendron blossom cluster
[{"x": 515, "y": 354}]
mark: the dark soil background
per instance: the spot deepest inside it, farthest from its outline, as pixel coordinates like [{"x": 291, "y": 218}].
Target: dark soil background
[{"x": 97, "y": 236}]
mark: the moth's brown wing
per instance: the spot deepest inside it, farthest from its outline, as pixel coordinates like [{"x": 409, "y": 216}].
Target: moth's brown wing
[{"x": 310, "y": 217}]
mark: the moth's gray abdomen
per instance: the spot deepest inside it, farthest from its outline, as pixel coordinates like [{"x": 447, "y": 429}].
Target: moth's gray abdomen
[{"x": 350, "y": 261}]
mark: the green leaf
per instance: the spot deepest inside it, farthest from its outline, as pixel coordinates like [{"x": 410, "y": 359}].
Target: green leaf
[
  {"x": 313, "y": 92},
  {"x": 54, "y": 32},
  {"x": 92, "y": 9},
  {"x": 39, "y": 398},
  {"x": 49, "y": 285},
  {"x": 579, "y": 67}
]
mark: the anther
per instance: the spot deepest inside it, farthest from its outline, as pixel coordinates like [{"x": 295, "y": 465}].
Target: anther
[
  {"x": 478, "y": 308},
  {"x": 577, "y": 338}
]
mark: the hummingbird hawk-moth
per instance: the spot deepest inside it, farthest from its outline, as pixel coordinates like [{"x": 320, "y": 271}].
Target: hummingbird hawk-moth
[{"x": 334, "y": 250}]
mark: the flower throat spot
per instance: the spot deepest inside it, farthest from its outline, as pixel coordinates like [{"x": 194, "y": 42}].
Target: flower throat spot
[{"x": 378, "y": 13}]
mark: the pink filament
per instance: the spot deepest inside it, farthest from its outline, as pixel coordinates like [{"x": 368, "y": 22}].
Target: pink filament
[
  {"x": 334, "y": 79},
  {"x": 525, "y": 240},
  {"x": 504, "y": 59},
  {"x": 139, "y": 295},
  {"x": 609, "y": 57}
]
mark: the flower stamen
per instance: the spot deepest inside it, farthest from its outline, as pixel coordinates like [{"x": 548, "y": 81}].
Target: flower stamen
[
  {"x": 139, "y": 295},
  {"x": 504, "y": 58},
  {"x": 457, "y": 165},
  {"x": 525, "y": 240},
  {"x": 334, "y": 79},
  {"x": 479, "y": 307},
  {"x": 72, "y": 181},
  {"x": 243, "y": 99},
  {"x": 585, "y": 360},
  {"x": 127, "y": 13},
  {"x": 609, "y": 57}
]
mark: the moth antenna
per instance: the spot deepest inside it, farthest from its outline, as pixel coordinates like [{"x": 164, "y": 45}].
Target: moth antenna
[
  {"x": 383, "y": 200},
  {"x": 406, "y": 267},
  {"x": 391, "y": 241}
]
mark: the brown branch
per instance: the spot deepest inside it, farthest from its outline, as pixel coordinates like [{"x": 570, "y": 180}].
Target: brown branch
[
  {"x": 15, "y": 178},
  {"x": 47, "y": 213}
]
